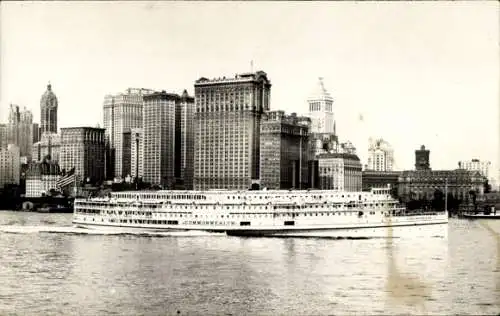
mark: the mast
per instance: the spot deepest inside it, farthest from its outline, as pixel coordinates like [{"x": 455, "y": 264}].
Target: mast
[
  {"x": 446, "y": 195},
  {"x": 300, "y": 158}
]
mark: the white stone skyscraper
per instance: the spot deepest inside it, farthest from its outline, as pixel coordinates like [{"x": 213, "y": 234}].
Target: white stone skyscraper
[
  {"x": 122, "y": 112},
  {"x": 321, "y": 110},
  {"x": 380, "y": 155}
]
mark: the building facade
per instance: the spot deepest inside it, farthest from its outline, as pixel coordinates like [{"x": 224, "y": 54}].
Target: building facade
[
  {"x": 483, "y": 167},
  {"x": 284, "y": 151},
  {"x": 49, "y": 145},
  {"x": 227, "y": 130},
  {"x": 9, "y": 165},
  {"x": 380, "y": 155},
  {"x": 82, "y": 148},
  {"x": 48, "y": 111},
  {"x": 126, "y": 154},
  {"x": 137, "y": 153},
  {"x": 41, "y": 178},
  {"x": 35, "y": 132},
  {"x": 122, "y": 112},
  {"x": 159, "y": 138},
  {"x": 422, "y": 184},
  {"x": 380, "y": 179},
  {"x": 321, "y": 110},
  {"x": 184, "y": 141},
  {"x": 3, "y": 136},
  {"x": 20, "y": 129},
  {"x": 339, "y": 171},
  {"x": 322, "y": 143}
]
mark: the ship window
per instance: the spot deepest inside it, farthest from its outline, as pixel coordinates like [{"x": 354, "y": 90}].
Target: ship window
[
  {"x": 289, "y": 223},
  {"x": 244, "y": 223}
]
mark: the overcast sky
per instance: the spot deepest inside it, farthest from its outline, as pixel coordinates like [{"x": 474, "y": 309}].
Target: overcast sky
[{"x": 411, "y": 73}]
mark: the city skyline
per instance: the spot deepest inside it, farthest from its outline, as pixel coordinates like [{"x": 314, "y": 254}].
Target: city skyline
[{"x": 383, "y": 80}]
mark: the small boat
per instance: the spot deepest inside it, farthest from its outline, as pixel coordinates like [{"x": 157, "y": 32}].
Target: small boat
[
  {"x": 481, "y": 216},
  {"x": 486, "y": 214},
  {"x": 55, "y": 209}
]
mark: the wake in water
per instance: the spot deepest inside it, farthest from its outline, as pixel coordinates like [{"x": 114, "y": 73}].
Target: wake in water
[{"x": 72, "y": 230}]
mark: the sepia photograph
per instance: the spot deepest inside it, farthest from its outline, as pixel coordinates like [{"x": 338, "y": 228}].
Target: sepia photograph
[{"x": 249, "y": 158}]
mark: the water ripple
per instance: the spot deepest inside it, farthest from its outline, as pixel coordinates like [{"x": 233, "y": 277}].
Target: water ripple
[{"x": 49, "y": 267}]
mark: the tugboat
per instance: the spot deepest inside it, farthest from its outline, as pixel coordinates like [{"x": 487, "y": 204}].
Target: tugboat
[{"x": 485, "y": 214}]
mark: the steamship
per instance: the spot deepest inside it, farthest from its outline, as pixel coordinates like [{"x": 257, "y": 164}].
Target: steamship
[{"x": 311, "y": 213}]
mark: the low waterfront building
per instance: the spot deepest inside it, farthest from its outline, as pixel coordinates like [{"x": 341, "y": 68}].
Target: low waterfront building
[{"x": 422, "y": 184}]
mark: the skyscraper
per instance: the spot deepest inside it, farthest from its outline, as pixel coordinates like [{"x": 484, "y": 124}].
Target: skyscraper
[
  {"x": 35, "y": 131},
  {"x": 380, "y": 155},
  {"x": 136, "y": 153},
  {"x": 3, "y": 136},
  {"x": 321, "y": 110},
  {"x": 9, "y": 165},
  {"x": 48, "y": 111},
  {"x": 227, "y": 130},
  {"x": 122, "y": 112},
  {"x": 20, "y": 129},
  {"x": 159, "y": 138},
  {"x": 184, "y": 142},
  {"x": 82, "y": 148},
  {"x": 284, "y": 151}
]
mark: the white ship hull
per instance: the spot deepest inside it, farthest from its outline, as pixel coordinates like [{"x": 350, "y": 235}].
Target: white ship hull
[
  {"x": 439, "y": 228},
  {"x": 415, "y": 231}
]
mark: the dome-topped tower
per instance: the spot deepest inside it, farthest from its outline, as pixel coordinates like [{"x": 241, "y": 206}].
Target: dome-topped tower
[
  {"x": 48, "y": 111},
  {"x": 321, "y": 110}
]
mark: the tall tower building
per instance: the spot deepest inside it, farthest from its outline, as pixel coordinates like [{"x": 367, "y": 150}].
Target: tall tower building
[
  {"x": 422, "y": 159},
  {"x": 136, "y": 153},
  {"x": 380, "y": 155},
  {"x": 227, "y": 130},
  {"x": 284, "y": 151},
  {"x": 159, "y": 138},
  {"x": 9, "y": 165},
  {"x": 82, "y": 148},
  {"x": 184, "y": 141},
  {"x": 122, "y": 112},
  {"x": 48, "y": 111},
  {"x": 321, "y": 110},
  {"x": 20, "y": 129},
  {"x": 35, "y": 131},
  {"x": 3, "y": 136}
]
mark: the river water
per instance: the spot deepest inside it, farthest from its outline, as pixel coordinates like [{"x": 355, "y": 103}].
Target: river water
[{"x": 47, "y": 267}]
